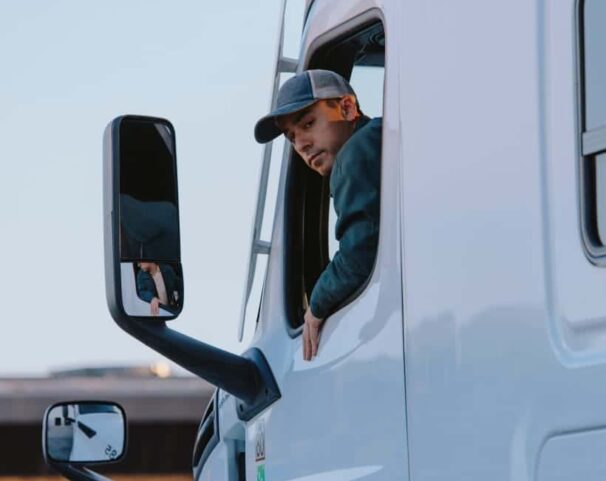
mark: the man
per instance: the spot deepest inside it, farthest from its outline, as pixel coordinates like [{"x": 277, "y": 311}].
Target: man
[
  {"x": 318, "y": 112},
  {"x": 159, "y": 285}
]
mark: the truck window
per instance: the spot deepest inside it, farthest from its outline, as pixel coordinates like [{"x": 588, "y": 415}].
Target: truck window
[
  {"x": 367, "y": 81},
  {"x": 592, "y": 121},
  {"x": 310, "y": 219}
]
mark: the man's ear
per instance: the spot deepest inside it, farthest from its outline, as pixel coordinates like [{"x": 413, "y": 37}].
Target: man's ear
[{"x": 349, "y": 109}]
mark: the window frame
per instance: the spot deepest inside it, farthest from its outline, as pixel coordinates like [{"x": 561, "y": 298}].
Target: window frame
[
  {"x": 307, "y": 199},
  {"x": 591, "y": 143}
]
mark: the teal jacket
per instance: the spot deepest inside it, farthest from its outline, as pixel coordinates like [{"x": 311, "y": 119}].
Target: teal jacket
[{"x": 355, "y": 185}]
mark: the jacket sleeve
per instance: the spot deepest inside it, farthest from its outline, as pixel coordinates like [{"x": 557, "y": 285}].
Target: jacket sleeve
[
  {"x": 172, "y": 282},
  {"x": 145, "y": 286},
  {"x": 356, "y": 190}
]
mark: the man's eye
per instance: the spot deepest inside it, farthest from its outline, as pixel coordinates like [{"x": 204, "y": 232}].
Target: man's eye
[{"x": 308, "y": 124}]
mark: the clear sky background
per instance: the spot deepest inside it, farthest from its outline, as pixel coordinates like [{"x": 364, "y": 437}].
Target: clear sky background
[{"x": 68, "y": 68}]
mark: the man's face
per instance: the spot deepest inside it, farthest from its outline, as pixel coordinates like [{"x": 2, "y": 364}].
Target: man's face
[
  {"x": 146, "y": 266},
  {"x": 318, "y": 132}
]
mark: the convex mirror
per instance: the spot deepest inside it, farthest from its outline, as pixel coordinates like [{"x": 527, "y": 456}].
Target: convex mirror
[
  {"x": 84, "y": 432},
  {"x": 144, "y": 276}
]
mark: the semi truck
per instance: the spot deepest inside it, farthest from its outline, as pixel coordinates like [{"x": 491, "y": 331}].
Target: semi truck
[{"x": 476, "y": 349}]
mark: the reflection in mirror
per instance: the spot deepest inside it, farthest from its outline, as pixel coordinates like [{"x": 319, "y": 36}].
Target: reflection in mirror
[
  {"x": 152, "y": 288},
  {"x": 85, "y": 432},
  {"x": 149, "y": 216}
]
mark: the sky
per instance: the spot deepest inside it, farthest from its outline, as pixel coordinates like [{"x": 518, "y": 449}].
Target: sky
[{"x": 69, "y": 68}]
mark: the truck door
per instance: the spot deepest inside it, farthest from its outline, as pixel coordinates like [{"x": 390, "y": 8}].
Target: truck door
[{"x": 341, "y": 415}]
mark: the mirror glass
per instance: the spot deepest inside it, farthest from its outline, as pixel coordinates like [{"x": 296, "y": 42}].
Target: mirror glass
[
  {"x": 152, "y": 288},
  {"x": 149, "y": 216},
  {"x": 150, "y": 257},
  {"x": 85, "y": 432}
]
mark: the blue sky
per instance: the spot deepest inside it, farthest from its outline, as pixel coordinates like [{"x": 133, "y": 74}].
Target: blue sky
[{"x": 68, "y": 68}]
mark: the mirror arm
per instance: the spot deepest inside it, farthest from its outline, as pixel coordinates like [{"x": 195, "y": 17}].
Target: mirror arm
[
  {"x": 77, "y": 473},
  {"x": 247, "y": 377}
]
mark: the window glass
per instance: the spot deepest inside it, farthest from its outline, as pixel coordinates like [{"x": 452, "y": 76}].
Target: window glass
[
  {"x": 600, "y": 188},
  {"x": 368, "y": 85},
  {"x": 595, "y": 64}
]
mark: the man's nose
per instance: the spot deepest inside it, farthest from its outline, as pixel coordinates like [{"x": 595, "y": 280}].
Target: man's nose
[{"x": 302, "y": 144}]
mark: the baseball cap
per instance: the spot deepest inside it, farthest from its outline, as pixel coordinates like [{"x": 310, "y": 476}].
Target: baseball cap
[{"x": 299, "y": 92}]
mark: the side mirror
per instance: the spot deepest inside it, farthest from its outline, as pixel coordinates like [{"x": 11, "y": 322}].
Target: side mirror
[
  {"x": 83, "y": 432},
  {"x": 144, "y": 276},
  {"x": 142, "y": 254}
]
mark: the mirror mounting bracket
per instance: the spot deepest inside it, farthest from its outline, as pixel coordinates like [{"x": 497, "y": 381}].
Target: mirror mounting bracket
[
  {"x": 248, "y": 377},
  {"x": 266, "y": 393}
]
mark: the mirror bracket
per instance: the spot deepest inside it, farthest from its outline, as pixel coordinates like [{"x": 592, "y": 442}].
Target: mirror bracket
[
  {"x": 248, "y": 377},
  {"x": 267, "y": 391}
]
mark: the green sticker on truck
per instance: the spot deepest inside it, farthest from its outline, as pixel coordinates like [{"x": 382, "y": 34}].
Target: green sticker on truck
[{"x": 261, "y": 472}]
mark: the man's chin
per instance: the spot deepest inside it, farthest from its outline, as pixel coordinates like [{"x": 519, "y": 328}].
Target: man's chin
[
  {"x": 326, "y": 169},
  {"x": 321, "y": 170}
]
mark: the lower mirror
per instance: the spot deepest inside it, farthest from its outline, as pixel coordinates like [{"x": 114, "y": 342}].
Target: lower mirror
[
  {"x": 152, "y": 289},
  {"x": 84, "y": 432}
]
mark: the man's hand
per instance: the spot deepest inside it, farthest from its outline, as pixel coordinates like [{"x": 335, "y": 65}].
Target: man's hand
[
  {"x": 155, "y": 306},
  {"x": 311, "y": 335}
]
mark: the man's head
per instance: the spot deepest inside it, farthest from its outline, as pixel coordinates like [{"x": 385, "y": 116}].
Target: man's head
[
  {"x": 149, "y": 267},
  {"x": 316, "y": 110}
]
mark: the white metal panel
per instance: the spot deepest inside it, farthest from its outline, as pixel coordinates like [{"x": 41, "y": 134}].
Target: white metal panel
[
  {"x": 574, "y": 456},
  {"x": 475, "y": 317},
  {"x": 494, "y": 271}
]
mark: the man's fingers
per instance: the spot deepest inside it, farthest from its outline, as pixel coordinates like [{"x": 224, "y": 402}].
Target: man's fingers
[
  {"x": 314, "y": 337},
  {"x": 306, "y": 351}
]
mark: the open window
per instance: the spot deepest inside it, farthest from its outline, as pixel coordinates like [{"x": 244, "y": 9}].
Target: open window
[{"x": 358, "y": 54}]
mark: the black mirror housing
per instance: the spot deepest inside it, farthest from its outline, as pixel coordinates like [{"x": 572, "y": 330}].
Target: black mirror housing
[
  {"x": 143, "y": 271},
  {"x": 84, "y": 432}
]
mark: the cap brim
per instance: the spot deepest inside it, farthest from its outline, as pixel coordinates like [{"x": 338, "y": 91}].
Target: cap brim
[{"x": 266, "y": 128}]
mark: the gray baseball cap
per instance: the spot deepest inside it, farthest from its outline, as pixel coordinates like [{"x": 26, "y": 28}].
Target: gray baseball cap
[{"x": 299, "y": 92}]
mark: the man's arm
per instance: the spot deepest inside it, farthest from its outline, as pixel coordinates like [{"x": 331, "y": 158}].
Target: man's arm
[
  {"x": 155, "y": 306},
  {"x": 145, "y": 286},
  {"x": 311, "y": 335},
  {"x": 356, "y": 182}
]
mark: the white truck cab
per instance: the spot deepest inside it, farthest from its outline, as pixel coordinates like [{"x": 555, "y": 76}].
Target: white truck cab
[{"x": 477, "y": 348}]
